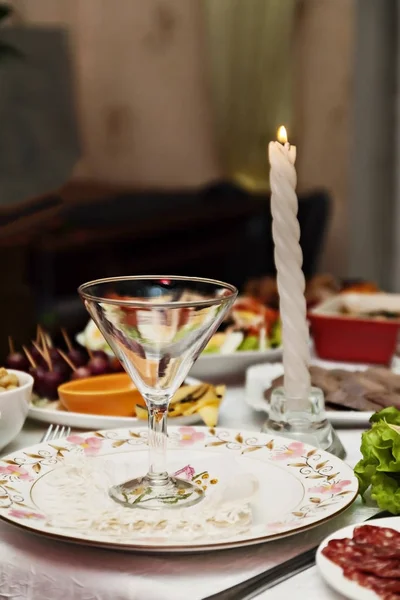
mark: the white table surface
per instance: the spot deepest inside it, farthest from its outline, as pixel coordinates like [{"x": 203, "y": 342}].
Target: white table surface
[{"x": 34, "y": 568}]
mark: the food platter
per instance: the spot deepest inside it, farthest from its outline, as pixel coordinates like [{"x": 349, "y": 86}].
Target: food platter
[
  {"x": 333, "y": 574},
  {"x": 237, "y": 470},
  {"x": 260, "y": 377},
  {"x": 53, "y": 413}
]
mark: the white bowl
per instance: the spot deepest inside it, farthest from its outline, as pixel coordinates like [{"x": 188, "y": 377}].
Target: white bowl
[{"x": 14, "y": 406}]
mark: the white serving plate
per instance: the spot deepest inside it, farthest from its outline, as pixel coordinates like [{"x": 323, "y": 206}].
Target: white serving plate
[
  {"x": 260, "y": 377},
  {"x": 60, "y": 489},
  {"x": 214, "y": 366},
  {"x": 333, "y": 574},
  {"x": 53, "y": 414}
]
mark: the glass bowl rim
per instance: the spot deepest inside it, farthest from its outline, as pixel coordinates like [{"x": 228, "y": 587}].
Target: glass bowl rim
[{"x": 145, "y": 304}]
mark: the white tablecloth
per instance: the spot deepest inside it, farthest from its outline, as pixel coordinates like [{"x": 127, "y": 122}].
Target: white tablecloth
[{"x": 33, "y": 568}]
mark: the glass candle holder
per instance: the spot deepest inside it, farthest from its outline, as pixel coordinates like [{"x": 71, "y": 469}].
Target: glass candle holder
[{"x": 305, "y": 421}]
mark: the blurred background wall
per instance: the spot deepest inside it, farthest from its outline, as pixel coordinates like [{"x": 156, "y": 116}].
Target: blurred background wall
[
  {"x": 143, "y": 98},
  {"x": 323, "y": 112},
  {"x": 146, "y": 103},
  {"x": 374, "y": 195}
]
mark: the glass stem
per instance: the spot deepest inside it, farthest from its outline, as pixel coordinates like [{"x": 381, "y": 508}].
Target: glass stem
[{"x": 157, "y": 422}]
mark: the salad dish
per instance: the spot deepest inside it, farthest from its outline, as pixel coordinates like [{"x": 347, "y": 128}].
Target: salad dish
[
  {"x": 249, "y": 335},
  {"x": 249, "y": 327}
]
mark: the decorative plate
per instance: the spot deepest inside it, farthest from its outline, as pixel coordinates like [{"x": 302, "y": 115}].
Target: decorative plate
[
  {"x": 333, "y": 574},
  {"x": 260, "y": 377},
  {"x": 52, "y": 412},
  {"x": 257, "y": 488}
]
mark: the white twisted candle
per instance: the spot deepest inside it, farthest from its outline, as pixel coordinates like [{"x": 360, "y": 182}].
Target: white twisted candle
[{"x": 290, "y": 277}]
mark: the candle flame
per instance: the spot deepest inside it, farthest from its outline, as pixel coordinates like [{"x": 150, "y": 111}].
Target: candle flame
[{"x": 282, "y": 135}]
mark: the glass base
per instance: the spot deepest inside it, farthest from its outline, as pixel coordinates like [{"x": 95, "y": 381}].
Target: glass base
[
  {"x": 150, "y": 494},
  {"x": 308, "y": 425}
]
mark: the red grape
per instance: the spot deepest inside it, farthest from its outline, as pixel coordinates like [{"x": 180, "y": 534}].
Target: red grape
[
  {"x": 37, "y": 357},
  {"x": 37, "y": 374},
  {"x": 63, "y": 369},
  {"x": 81, "y": 373},
  {"x": 50, "y": 382},
  {"x": 55, "y": 355},
  {"x": 78, "y": 357},
  {"x": 100, "y": 354},
  {"x": 98, "y": 366},
  {"x": 17, "y": 361}
]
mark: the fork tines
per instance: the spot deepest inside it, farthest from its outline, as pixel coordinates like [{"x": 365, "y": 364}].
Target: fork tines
[{"x": 56, "y": 432}]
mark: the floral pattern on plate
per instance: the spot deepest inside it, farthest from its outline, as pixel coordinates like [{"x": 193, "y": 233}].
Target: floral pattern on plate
[{"x": 310, "y": 485}]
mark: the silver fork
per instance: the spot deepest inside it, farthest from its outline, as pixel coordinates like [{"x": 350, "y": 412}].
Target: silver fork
[{"x": 55, "y": 432}]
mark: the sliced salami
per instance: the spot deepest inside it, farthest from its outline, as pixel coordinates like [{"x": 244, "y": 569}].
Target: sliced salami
[
  {"x": 370, "y": 558},
  {"x": 378, "y": 536},
  {"x": 348, "y": 556},
  {"x": 385, "y": 588},
  {"x": 349, "y": 546}
]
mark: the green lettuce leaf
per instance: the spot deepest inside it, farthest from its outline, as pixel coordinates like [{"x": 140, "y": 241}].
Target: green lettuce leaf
[
  {"x": 385, "y": 490},
  {"x": 389, "y": 414},
  {"x": 379, "y": 469},
  {"x": 251, "y": 342},
  {"x": 275, "y": 338},
  {"x": 381, "y": 446}
]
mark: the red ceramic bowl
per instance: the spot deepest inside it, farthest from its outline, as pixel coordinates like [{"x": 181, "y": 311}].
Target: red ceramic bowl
[{"x": 356, "y": 337}]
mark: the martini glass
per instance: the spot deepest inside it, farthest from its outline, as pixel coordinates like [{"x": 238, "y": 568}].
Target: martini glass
[{"x": 157, "y": 326}]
